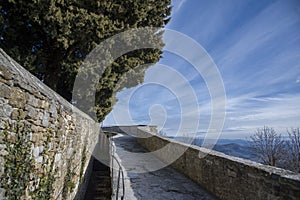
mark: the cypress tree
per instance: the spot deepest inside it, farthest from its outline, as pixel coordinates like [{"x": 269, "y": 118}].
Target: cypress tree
[{"x": 51, "y": 38}]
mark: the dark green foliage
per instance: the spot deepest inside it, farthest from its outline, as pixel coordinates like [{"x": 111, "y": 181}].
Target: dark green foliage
[
  {"x": 18, "y": 162},
  {"x": 51, "y": 38},
  {"x": 20, "y": 173},
  {"x": 69, "y": 185},
  {"x": 82, "y": 163},
  {"x": 45, "y": 189}
]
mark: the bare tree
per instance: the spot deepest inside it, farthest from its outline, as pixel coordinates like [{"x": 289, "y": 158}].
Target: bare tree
[
  {"x": 268, "y": 145},
  {"x": 293, "y": 150}
]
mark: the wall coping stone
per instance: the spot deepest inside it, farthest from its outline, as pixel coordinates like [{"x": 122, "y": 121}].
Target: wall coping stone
[
  {"x": 269, "y": 169},
  {"x": 17, "y": 70}
]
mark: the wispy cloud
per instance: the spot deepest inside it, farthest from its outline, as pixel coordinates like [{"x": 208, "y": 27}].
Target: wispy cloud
[
  {"x": 280, "y": 112},
  {"x": 256, "y": 48},
  {"x": 177, "y": 4}
]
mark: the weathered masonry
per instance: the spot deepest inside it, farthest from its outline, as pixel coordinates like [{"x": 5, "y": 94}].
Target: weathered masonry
[
  {"x": 47, "y": 148},
  {"x": 44, "y": 140},
  {"x": 226, "y": 177}
]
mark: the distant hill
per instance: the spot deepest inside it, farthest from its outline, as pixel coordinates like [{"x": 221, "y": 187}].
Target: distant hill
[
  {"x": 233, "y": 147},
  {"x": 237, "y": 150}
]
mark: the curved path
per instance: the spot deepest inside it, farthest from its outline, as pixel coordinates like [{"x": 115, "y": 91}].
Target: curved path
[{"x": 162, "y": 184}]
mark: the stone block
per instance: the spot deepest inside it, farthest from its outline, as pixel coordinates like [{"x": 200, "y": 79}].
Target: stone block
[
  {"x": 3, "y": 125},
  {"x": 53, "y": 110},
  {"x": 3, "y": 152},
  {"x": 5, "y": 90},
  {"x": 40, "y": 115},
  {"x": 35, "y": 152},
  {"x": 2, "y": 80},
  {"x": 43, "y": 104},
  {"x": 52, "y": 126},
  {"x": 41, "y": 129},
  {"x": 37, "y": 122},
  {"x": 39, "y": 159},
  {"x": 34, "y": 128},
  {"x": 45, "y": 120},
  {"x": 3, "y": 101},
  {"x": 15, "y": 114},
  {"x": 68, "y": 117},
  {"x": 35, "y": 137},
  {"x": 5, "y": 110},
  {"x": 231, "y": 173},
  {"x": 70, "y": 152},
  {"x": 5, "y": 73},
  {"x": 32, "y": 101},
  {"x": 31, "y": 111},
  {"x": 58, "y": 159},
  {"x": 41, "y": 149},
  {"x": 17, "y": 98},
  {"x": 18, "y": 114},
  {"x": 36, "y": 93},
  {"x": 2, "y": 193},
  {"x": 2, "y": 136},
  {"x": 1, "y": 166}
]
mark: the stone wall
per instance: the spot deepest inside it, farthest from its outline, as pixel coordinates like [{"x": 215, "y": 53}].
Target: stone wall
[
  {"x": 45, "y": 142},
  {"x": 130, "y": 130},
  {"x": 224, "y": 176}
]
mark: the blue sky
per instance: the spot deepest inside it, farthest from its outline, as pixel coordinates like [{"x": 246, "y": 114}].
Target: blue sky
[{"x": 256, "y": 46}]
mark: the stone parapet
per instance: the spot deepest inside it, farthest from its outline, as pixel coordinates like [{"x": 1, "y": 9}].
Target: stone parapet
[
  {"x": 59, "y": 138},
  {"x": 226, "y": 177}
]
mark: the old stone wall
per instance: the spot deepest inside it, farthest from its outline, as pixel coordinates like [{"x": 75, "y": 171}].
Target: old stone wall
[
  {"x": 225, "y": 176},
  {"x": 131, "y": 130},
  {"x": 45, "y": 142}
]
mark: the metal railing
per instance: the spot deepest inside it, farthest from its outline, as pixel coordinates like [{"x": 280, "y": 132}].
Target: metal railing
[{"x": 120, "y": 173}]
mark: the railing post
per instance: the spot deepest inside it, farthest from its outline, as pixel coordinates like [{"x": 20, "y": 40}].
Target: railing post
[
  {"x": 120, "y": 173},
  {"x": 118, "y": 184},
  {"x": 112, "y": 165}
]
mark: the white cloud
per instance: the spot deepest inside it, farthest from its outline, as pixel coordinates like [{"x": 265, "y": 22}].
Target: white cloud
[
  {"x": 280, "y": 112},
  {"x": 253, "y": 61},
  {"x": 177, "y": 5}
]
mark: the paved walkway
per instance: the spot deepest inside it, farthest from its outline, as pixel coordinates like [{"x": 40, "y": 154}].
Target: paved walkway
[{"x": 142, "y": 183}]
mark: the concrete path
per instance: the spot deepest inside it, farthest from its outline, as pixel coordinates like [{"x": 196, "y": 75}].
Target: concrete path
[{"x": 144, "y": 184}]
